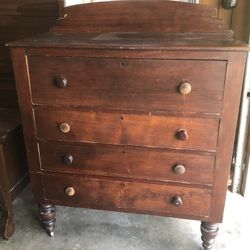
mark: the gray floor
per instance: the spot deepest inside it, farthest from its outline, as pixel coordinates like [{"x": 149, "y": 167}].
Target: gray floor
[{"x": 84, "y": 229}]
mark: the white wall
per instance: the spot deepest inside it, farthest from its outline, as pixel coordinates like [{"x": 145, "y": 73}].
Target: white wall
[{"x": 73, "y": 2}]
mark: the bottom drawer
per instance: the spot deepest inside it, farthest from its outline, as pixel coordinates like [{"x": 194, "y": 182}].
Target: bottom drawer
[{"x": 126, "y": 196}]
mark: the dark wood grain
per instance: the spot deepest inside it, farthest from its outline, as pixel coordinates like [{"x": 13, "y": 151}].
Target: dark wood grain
[
  {"x": 24, "y": 96},
  {"x": 131, "y": 84},
  {"x": 130, "y": 162},
  {"x": 233, "y": 86},
  {"x": 101, "y": 111},
  {"x": 17, "y": 27},
  {"x": 127, "y": 129},
  {"x": 29, "y": 8},
  {"x": 20, "y": 19},
  {"x": 5, "y": 200},
  {"x": 171, "y": 53},
  {"x": 122, "y": 194},
  {"x": 24, "y": 26},
  {"x": 134, "y": 41},
  {"x": 15, "y": 161},
  {"x": 8, "y": 95},
  {"x": 13, "y": 167}
]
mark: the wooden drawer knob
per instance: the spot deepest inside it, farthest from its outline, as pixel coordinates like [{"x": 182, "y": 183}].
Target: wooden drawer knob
[
  {"x": 70, "y": 191},
  {"x": 185, "y": 88},
  {"x": 182, "y": 134},
  {"x": 68, "y": 159},
  {"x": 177, "y": 201},
  {"x": 64, "y": 127},
  {"x": 61, "y": 82},
  {"x": 179, "y": 169}
]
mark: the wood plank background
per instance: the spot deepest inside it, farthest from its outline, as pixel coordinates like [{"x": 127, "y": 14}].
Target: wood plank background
[
  {"x": 19, "y": 19},
  {"x": 224, "y": 14}
]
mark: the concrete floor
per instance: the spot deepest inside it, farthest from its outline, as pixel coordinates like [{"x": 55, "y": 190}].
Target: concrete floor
[{"x": 84, "y": 229}]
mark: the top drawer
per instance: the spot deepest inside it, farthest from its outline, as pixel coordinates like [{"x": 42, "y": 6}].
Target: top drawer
[{"x": 144, "y": 84}]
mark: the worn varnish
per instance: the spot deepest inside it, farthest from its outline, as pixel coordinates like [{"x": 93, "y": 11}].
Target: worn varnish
[
  {"x": 119, "y": 195},
  {"x": 127, "y": 129},
  {"x": 127, "y": 162},
  {"x": 130, "y": 109},
  {"x": 139, "y": 84}
]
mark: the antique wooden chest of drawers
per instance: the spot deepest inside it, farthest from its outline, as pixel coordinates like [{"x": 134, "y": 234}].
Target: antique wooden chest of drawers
[{"x": 132, "y": 106}]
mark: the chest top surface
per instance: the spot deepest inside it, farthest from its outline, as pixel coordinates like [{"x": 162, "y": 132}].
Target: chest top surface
[{"x": 157, "y": 25}]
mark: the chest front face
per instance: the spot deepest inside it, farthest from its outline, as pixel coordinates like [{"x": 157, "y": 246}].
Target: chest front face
[{"x": 142, "y": 131}]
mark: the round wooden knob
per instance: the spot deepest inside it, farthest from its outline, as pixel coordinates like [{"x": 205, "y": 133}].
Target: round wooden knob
[
  {"x": 177, "y": 201},
  {"x": 64, "y": 127},
  {"x": 182, "y": 134},
  {"x": 185, "y": 88},
  {"x": 68, "y": 159},
  {"x": 70, "y": 191},
  {"x": 179, "y": 169},
  {"x": 61, "y": 82}
]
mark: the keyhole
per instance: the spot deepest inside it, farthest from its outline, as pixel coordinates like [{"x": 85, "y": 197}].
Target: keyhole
[
  {"x": 121, "y": 117},
  {"x": 124, "y": 64}
]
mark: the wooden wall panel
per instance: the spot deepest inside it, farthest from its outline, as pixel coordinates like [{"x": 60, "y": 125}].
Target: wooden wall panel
[
  {"x": 241, "y": 21},
  {"x": 224, "y": 14},
  {"x": 28, "y": 7},
  {"x": 19, "y": 19}
]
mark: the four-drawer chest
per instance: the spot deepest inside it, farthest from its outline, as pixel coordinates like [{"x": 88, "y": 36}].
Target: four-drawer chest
[{"x": 132, "y": 106}]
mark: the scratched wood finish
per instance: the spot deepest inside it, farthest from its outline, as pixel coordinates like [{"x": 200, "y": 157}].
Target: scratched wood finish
[
  {"x": 150, "y": 42},
  {"x": 104, "y": 130},
  {"x": 131, "y": 84},
  {"x": 140, "y": 16},
  {"x": 95, "y": 192},
  {"x": 127, "y": 129},
  {"x": 129, "y": 162}
]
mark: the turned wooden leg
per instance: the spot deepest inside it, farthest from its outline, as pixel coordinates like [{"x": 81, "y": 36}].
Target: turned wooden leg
[
  {"x": 209, "y": 232},
  {"x": 48, "y": 217},
  {"x": 8, "y": 224},
  {"x": 6, "y": 207}
]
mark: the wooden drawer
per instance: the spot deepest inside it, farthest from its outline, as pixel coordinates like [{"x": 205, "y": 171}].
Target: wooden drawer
[
  {"x": 128, "y": 83},
  {"x": 124, "y": 195},
  {"x": 129, "y": 162},
  {"x": 127, "y": 129}
]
